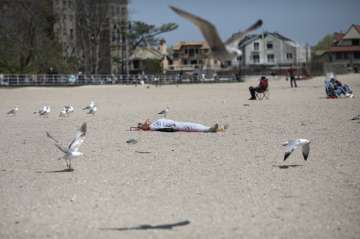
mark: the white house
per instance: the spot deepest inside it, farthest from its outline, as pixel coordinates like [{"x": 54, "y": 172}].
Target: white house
[{"x": 272, "y": 49}]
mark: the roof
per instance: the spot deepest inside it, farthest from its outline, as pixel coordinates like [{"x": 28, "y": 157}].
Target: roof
[
  {"x": 180, "y": 44},
  {"x": 344, "y": 49},
  {"x": 338, "y": 36},
  {"x": 144, "y": 53},
  {"x": 250, "y": 38},
  {"x": 357, "y": 27}
]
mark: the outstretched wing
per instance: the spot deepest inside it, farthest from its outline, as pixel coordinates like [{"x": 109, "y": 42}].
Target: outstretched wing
[
  {"x": 51, "y": 137},
  {"x": 79, "y": 138},
  {"x": 291, "y": 146},
  {"x": 235, "y": 39},
  {"x": 207, "y": 29},
  {"x": 62, "y": 149},
  {"x": 306, "y": 150}
]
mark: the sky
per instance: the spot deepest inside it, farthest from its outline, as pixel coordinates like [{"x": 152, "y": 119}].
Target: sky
[{"x": 305, "y": 21}]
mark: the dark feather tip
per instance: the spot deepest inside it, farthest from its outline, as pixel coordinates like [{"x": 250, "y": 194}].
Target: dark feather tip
[{"x": 286, "y": 155}]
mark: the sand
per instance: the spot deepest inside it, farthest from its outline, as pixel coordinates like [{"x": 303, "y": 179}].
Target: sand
[{"x": 228, "y": 185}]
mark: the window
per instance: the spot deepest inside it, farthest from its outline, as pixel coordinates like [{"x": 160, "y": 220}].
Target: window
[
  {"x": 256, "y": 58},
  {"x": 270, "y": 58},
  {"x": 269, "y": 45},
  {"x": 339, "y": 55},
  {"x": 256, "y": 46},
  {"x": 289, "y": 56},
  {"x": 184, "y": 62},
  {"x": 355, "y": 42},
  {"x": 357, "y": 55},
  {"x": 71, "y": 34},
  {"x": 191, "y": 52},
  {"x": 239, "y": 58},
  {"x": 193, "y": 62}
]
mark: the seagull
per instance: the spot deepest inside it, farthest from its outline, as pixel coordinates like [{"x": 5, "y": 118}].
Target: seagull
[
  {"x": 294, "y": 143},
  {"x": 63, "y": 113},
  {"x": 356, "y": 117},
  {"x": 92, "y": 110},
  {"x": 91, "y": 105},
  {"x": 13, "y": 111},
  {"x": 72, "y": 150},
  {"x": 45, "y": 110},
  {"x": 69, "y": 109},
  {"x": 164, "y": 112},
  {"x": 223, "y": 51}
]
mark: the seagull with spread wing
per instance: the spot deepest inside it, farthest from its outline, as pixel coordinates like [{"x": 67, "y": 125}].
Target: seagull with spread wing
[
  {"x": 293, "y": 144},
  {"x": 223, "y": 51},
  {"x": 72, "y": 150}
]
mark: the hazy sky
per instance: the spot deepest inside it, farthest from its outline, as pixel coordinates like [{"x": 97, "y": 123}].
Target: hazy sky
[{"x": 305, "y": 21}]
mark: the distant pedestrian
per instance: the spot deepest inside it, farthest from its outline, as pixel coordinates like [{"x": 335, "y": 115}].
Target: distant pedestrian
[{"x": 291, "y": 75}]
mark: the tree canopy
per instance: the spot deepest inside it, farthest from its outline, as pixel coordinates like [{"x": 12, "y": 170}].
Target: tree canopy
[{"x": 325, "y": 43}]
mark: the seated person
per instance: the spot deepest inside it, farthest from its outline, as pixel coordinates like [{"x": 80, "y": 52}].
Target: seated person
[
  {"x": 330, "y": 89},
  {"x": 338, "y": 88},
  {"x": 167, "y": 125},
  {"x": 262, "y": 87}
]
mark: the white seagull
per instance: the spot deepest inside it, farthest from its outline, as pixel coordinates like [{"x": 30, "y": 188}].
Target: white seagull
[
  {"x": 69, "y": 109},
  {"x": 63, "y": 113},
  {"x": 164, "y": 112},
  {"x": 13, "y": 111},
  {"x": 72, "y": 150},
  {"x": 293, "y": 144},
  {"x": 91, "y": 105},
  {"x": 45, "y": 110},
  {"x": 223, "y": 51},
  {"x": 92, "y": 110},
  {"x": 356, "y": 117}
]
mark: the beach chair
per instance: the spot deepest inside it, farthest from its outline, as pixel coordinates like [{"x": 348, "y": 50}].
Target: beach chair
[{"x": 263, "y": 94}]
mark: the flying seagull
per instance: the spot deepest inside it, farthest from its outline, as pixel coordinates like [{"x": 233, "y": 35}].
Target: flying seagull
[
  {"x": 293, "y": 144},
  {"x": 13, "y": 111},
  {"x": 72, "y": 150},
  {"x": 164, "y": 112},
  {"x": 223, "y": 51}
]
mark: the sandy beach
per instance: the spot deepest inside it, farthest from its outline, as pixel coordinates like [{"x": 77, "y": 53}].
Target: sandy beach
[{"x": 228, "y": 185}]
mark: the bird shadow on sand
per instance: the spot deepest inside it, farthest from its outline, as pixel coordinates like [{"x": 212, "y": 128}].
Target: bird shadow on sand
[
  {"x": 67, "y": 170},
  {"x": 148, "y": 227},
  {"x": 288, "y": 166}
]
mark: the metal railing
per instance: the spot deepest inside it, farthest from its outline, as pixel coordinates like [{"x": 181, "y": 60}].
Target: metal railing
[{"x": 20, "y": 80}]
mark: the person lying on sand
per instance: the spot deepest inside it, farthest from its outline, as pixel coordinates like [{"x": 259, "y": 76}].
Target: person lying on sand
[{"x": 168, "y": 125}]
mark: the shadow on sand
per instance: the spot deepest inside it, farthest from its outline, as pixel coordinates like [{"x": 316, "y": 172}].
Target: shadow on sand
[
  {"x": 148, "y": 227},
  {"x": 287, "y": 166},
  {"x": 67, "y": 170}
]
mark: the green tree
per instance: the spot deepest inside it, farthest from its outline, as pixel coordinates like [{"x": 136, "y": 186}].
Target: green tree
[
  {"x": 27, "y": 41},
  {"x": 143, "y": 34},
  {"x": 325, "y": 43}
]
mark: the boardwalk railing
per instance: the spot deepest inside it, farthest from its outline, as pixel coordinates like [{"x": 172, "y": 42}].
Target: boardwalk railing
[{"x": 13, "y": 80}]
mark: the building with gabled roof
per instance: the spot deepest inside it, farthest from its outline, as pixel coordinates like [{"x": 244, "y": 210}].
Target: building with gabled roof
[
  {"x": 344, "y": 54},
  {"x": 192, "y": 55},
  {"x": 272, "y": 49}
]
